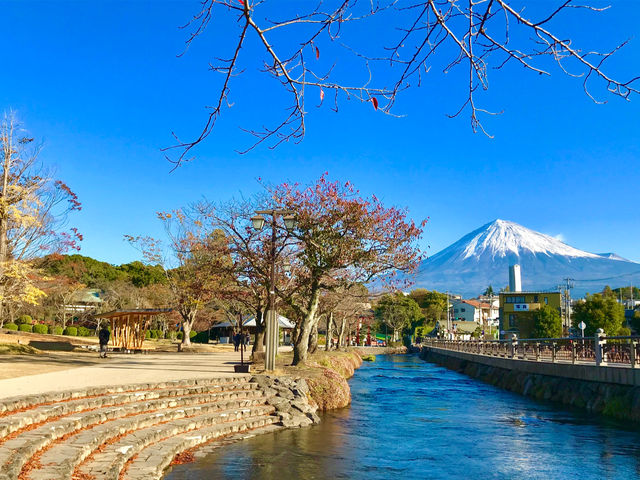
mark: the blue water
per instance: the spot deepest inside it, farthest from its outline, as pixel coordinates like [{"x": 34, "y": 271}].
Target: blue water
[{"x": 412, "y": 419}]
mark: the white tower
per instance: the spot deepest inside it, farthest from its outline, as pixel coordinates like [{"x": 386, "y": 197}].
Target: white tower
[{"x": 515, "y": 282}]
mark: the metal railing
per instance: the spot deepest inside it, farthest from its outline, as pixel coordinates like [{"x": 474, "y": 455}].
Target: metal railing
[{"x": 598, "y": 350}]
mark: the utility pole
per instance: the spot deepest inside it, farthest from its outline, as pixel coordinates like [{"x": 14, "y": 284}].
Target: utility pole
[
  {"x": 567, "y": 303},
  {"x": 448, "y": 316}
]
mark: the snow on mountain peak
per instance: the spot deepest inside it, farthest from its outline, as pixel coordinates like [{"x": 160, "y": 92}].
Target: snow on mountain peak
[{"x": 500, "y": 238}]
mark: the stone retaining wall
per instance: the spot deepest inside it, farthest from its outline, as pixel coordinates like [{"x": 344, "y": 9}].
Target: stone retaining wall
[
  {"x": 133, "y": 432},
  {"x": 610, "y": 391}
]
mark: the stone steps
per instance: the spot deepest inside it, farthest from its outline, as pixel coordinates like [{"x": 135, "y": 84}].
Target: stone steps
[
  {"x": 66, "y": 455},
  {"x": 151, "y": 462},
  {"x": 13, "y": 404},
  {"x": 42, "y": 411},
  {"x": 135, "y": 431}
]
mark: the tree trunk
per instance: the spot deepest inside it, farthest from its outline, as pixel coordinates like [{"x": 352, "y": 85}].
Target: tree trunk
[
  {"x": 313, "y": 339},
  {"x": 258, "y": 341},
  {"x": 343, "y": 324},
  {"x": 301, "y": 343},
  {"x": 329, "y": 336},
  {"x": 187, "y": 324}
]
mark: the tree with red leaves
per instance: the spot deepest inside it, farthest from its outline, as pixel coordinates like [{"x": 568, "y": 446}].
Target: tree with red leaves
[
  {"x": 196, "y": 262},
  {"x": 342, "y": 239}
]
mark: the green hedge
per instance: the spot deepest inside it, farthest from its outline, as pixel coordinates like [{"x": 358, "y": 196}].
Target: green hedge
[
  {"x": 85, "y": 332},
  {"x": 171, "y": 334},
  {"x": 24, "y": 320},
  {"x": 25, "y": 327},
  {"x": 11, "y": 326},
  {"x": 55, "y": 330},
  {"x": 147, "y": 334},
  {"x": 70, "y": 331},
  {"x": 179, "y": 335},
  {"x": 200, "y": 337},
  {"x": 157, "y": 334},
  {"x": 40, "y": 328}
]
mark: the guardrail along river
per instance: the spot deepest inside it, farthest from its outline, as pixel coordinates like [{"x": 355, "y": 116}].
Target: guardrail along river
[{"x": 419, "y": 420}]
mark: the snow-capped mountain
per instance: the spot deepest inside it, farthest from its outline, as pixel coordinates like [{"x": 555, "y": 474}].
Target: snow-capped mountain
[{"x": 482, "y": 258}]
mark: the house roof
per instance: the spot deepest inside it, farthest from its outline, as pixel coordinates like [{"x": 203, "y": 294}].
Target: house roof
[
  {"x": 465, "y": 327},
  {"x": 87, "y": 295},
  {"x": 475, "y": 303},
  {"x": 134, "y": 311},
  {"x": 283, "y": 322}
]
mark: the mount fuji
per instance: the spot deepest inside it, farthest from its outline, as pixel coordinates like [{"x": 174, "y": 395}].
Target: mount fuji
[{"x": 482, "y": 258}]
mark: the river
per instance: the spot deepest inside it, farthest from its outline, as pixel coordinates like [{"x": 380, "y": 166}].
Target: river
[{"x": 412, "y": 419}]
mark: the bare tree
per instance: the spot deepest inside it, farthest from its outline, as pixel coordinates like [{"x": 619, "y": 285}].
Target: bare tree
[{"x": 301, "y": 48}]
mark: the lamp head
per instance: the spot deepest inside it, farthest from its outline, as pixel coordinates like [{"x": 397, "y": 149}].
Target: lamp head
[
  {"x": 289, "y": 221},
  {"x": 258, "y": 222}
]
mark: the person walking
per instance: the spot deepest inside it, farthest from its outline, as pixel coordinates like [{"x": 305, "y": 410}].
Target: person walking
[
  {"x": 236, "y": 342},
  {"x": 103, "y": 336}
]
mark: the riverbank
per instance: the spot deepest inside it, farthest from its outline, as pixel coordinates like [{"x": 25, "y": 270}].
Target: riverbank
[
  {"x": 326, "y": 375},
  {"x": 601, "y": 398},
  {"x": 414, "y": 419}
]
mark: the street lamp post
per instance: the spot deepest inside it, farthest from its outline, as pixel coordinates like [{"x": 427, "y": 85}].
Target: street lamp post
[{"x": 271, "y": 334}]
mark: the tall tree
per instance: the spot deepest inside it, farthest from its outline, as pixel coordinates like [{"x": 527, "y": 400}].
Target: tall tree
[
  {"x": 33, "y": 213},
  {"x": 342, "y": 239},
  {"x": 432, "y": 303},
  {"x": 597, "y": 312},
  {"x": 547, "y": 323},
  {"x": 196, "y": 261},
  {"x": 398, "y": 311}
]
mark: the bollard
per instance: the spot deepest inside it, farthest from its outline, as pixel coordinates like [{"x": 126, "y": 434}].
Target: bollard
[
  {"x": 514, "y": 344},
  {"x": 573, "y": 352},
  {"x": 599, "y": 343},
  {"x": 554, "y": 346},
  {"x": 632, "y": 354},
  {"x": 537, "y": 350}
]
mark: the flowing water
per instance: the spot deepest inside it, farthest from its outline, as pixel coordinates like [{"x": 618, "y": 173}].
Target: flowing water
[{"x": 412, "y": 419}]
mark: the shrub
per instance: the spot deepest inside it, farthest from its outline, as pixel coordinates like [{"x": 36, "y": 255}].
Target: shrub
[
  {"x": 179, "y": 335},
  {"x": 55, "y": 330},
  {"x": 25, "y": 327},
  {"x": 40, "y": 328},
  {"x": 159, "y": 333},
  {"x": 84, "y": 332},
  {"x": 11, "y": 326},
  {"x": 171, "y": 334},
  {"x": 200, "y": 337},
  {"x": 147, "y": 334},
  {"x": 153, "y": 334},
  {"x": 24, "y": 320},
  {"x": 192, "y": 334},
  {"x": 70, "y": 331}
]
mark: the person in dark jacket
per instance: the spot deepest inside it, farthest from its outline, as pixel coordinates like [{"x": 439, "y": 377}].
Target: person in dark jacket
[{"x": 103, "y": 336}]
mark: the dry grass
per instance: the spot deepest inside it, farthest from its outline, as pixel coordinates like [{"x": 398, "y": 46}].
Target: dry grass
[{"x": 17, "y": 349}]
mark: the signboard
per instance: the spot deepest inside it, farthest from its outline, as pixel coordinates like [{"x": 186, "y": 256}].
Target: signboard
[
  {"x": 521, "y": 307},
  {"x": 582, "y": 326}
]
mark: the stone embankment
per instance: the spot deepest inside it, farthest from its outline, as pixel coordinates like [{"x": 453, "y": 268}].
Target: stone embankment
[
  {"x": 137, "y": 431},
  {"x": 326, "y": 375},
  {"x": 607, "y": 398}
]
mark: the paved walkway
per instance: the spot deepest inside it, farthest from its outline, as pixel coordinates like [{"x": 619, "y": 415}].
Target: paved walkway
[{"x": 118, "y": 369}]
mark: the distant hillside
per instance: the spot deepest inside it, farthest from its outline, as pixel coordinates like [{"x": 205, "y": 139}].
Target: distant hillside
[
  {"x": 482, "y": 258},
  {"x": 95, "y": 273}
]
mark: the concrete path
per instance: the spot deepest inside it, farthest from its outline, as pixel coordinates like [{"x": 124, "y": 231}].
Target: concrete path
[
  {"x": 118, "y": 369},
  {"x": 81, "y": 371}
]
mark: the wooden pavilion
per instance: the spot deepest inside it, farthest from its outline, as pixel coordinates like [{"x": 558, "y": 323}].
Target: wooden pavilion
[{"x": 128, "y": 327}]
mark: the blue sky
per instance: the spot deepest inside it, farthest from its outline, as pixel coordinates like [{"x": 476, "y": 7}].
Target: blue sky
[{"x": 101, "y": 84}]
